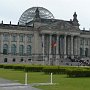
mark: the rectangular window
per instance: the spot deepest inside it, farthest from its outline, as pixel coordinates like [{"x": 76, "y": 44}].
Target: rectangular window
[
  {"x": 14, "y": 37},
  {"x": 82, "y": 41},
  {"x": 21, "y": 38},
  {"x": 21, "y": 50},
  {"x": 29, "y": 38},
  {"x": 86, "y": 41},
  {"x": 5, "y": 37}
]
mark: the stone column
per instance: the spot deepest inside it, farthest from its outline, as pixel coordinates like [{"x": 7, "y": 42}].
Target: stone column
[
  {"x": 84, "y": 48},
  {"x": 78, "y": 46},
  {"x": 17, "y": 43},
  {"x": 57, "y": 50},
  {"x": 43, "y": 48},
  {"x": 72, "y": 46},
  {"x": 75, "y": 46},
  {"x": 65, "y": 56},
  {"x": 10, "y": 39},
  {"x": 25, "y": 51},
  {"x": 89, "y": 48},
  {"x": 50, "y": 49},
  {"x": 57, "y": 46},
  {"x": 1, "y": 43}
]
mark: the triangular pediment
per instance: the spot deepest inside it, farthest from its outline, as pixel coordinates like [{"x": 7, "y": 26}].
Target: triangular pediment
[{"x": 60, "y": 25}]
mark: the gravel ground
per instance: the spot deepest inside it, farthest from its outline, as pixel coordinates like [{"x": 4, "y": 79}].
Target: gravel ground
[{"x": 10, "y": 85}]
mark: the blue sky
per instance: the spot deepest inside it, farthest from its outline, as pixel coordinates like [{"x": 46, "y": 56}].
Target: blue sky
[{"x": 11, "y": 10}]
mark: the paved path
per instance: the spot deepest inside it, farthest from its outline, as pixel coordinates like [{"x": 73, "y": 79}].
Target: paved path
[{"x": 10, "y": 85}]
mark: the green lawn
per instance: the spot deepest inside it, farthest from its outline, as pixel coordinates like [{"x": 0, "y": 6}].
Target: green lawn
[{"x": 63, "y": 83}]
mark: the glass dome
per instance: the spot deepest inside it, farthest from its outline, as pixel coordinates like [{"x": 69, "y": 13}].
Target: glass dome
[{"x": 29, "y": 14}]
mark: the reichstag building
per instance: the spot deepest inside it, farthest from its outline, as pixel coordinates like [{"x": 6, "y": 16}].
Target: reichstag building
[{"x": 39, "y": 38}]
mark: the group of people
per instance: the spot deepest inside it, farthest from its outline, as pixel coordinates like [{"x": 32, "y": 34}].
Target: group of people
[{"x": 81, "y": 62}]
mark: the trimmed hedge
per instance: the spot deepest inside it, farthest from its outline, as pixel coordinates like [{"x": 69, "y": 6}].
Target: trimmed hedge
[
  {"x": 84, "y": 72},
  {"x": 70, "y": 71},
  {"x": 7, "y": 66},
  {"x": 1, "y": 66},
  {"x": 27, "y": 68},
  {"x": 33, "y": 68},
  {"x": 54, "y": 70},
  {"x": 18, "y": 67}
]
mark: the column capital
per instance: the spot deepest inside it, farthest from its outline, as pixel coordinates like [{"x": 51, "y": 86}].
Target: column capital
[
  {"x": 57, "y": 35},
  {"x": 78, "y": 36},
  {"x": 50, "y": 34},
  {"x": 72, "y": 35},
  {"x": 42, "y": 33}
]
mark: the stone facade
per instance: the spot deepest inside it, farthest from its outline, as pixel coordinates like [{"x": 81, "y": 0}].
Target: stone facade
[{"x": 44, "y": 41}]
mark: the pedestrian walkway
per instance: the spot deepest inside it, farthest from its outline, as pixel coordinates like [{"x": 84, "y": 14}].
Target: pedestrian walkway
[{"x": 10, "y": 85}]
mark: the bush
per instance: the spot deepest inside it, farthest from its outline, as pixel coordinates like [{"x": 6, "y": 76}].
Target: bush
[
  {"x": 18, "y": 67},
  {"x": 54, "y": 70},
  {"x": 33, "y": 68},
  {"x": 7, "y": 66},
  {"x": 1, "y": 66},
  {"x": 70, "y": 71},
  {"x": 84, "y": 72}
]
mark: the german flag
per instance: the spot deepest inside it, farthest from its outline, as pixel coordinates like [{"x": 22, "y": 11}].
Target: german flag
[{"x": 54, "y": 44}]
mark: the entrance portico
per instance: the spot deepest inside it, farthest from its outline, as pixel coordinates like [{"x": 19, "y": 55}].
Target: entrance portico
[{"x": 65, "y": 46}]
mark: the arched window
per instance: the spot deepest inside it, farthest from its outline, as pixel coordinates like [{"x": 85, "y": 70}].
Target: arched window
[
  {"x": 5, "y": 59},
  {"x": 14, "y": 60},
  {"x": 29, "y": 49},
  {"x": 22, "y": 60},
  {"x": 5, "y": 49},
  {"x": 13, "y": 49},
  {"x": 21, "y": 49}
]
